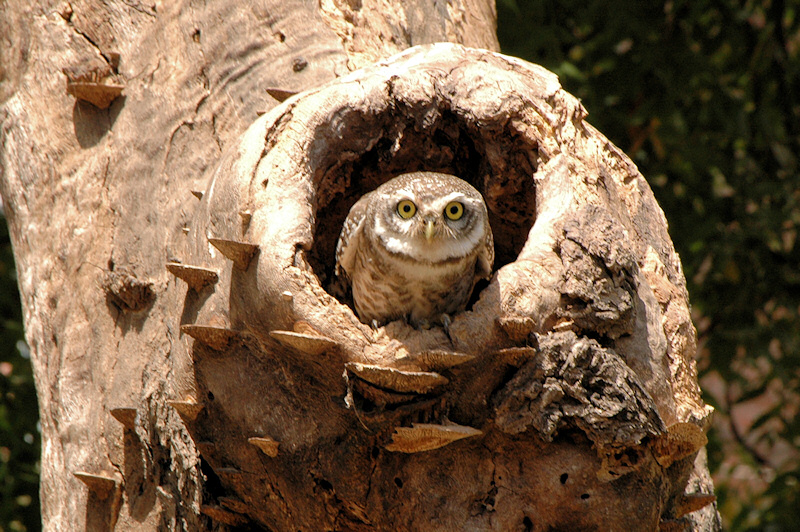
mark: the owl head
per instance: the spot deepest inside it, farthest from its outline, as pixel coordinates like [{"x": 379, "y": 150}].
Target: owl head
[{"x": 428, "y": 216}]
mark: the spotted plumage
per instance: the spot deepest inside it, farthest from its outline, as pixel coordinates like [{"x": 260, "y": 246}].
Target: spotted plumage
[{"x": 414, "y": 248}]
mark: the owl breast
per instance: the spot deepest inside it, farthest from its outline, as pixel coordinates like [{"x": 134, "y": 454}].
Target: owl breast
[{"x": 388, "y": 286}]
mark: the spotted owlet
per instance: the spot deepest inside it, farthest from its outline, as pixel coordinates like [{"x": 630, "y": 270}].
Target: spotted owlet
[{"x": 414, "y": 248}]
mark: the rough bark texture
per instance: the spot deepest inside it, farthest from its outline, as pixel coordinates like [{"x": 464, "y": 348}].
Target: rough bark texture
[{"x": 195, "y": 371}]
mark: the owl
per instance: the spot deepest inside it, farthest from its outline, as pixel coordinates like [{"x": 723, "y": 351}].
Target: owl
[{"x": 414, "y": 248}]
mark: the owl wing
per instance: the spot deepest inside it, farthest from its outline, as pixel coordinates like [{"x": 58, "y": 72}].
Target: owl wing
[
  {"x": 483, "y": 266},
  {"x": 350, "y": 237}
]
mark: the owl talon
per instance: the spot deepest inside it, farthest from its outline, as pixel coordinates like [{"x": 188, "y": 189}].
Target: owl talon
[
  {"x": 446, "y": 321},
  {"x": 424, "y": 325},
  {"x": 374, "y": 324}
]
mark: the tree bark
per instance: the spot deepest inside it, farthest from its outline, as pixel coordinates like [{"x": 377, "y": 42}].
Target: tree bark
[{"x": 193, "y": 368}]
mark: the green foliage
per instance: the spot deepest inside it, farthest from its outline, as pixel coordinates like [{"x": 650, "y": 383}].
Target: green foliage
[
  {"x": 704, "y": 97},
  {"x": 19, "y": 414}
]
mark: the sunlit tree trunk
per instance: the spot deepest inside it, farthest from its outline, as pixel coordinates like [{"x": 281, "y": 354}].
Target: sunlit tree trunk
[{"x": 180, "y": 389}]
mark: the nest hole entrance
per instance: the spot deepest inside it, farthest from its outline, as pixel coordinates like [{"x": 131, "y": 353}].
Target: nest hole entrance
[{"x": 370, "y": 149}]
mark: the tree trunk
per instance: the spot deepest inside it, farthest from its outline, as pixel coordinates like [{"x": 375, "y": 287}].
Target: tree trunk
[{"x": 194, "y": 370}]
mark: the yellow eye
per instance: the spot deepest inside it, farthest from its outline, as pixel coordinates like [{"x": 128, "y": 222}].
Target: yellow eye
[
  {"x": 454, "y": 210},
  {"x": 406, "y": 209}
]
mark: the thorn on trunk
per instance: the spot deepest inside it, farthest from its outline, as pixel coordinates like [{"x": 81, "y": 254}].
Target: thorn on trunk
[
  {"x": 217, "y": 338},
  {"x": 267, "y": 445},
  {"x": 397, "y": 380},
  {"x": 194, "y": 276},
  {"x": 692, "y": 502},
  {"x": 422, "y": 437},
  {"x": 187, "y": 410},
  {"x": 101, "y": 485},
  {"x": 126, "y": 416},
  {"x": 240, "y": 253},
  {"x": 305, "y": 343},
  {"x": 517, "y": 328},
  {"x": 280, "y": 94}
]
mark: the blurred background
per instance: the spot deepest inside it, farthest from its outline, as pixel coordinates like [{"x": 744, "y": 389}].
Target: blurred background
[{"x": 704, "y": 97}]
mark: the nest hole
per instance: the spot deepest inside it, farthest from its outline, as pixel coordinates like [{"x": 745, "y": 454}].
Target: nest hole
[{"x": 369, "y": 150}]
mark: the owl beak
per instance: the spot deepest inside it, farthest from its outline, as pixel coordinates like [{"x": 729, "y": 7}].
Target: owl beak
[{"x": 430, "y": 229}]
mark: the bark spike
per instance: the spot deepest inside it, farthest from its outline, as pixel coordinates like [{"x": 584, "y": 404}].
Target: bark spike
[
  {"x": 380, "y": 396},
  {"x": 518, "y": 328},
  {"x": 240, "y": 253},
  {"x": 194, "y": 276},
  {"x": 397, "y": 380},
  {"x": 217, "y": 338},
  {"x": 516, "y": 356},
  {"x": 125, "y": 415},
  {"x": 267, "y": 445},
  {"x": 441, "y": 359},
  {"x": 246, "y": 216},
  {"x": 680, "y": 441},
  {"x": 101, "y": 485},
  {"x": 422, "y": 437},
  {"x": 692, "y": 502},
  {"x": 280, "y": 94},
  {"x": 187, "y": 410},
  {"x": 99, "y": 93},
  {"x": 305, "y": 343}
]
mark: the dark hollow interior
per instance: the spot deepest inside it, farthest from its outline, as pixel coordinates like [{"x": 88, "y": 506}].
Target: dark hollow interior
[{"x": 363, "y": 151}]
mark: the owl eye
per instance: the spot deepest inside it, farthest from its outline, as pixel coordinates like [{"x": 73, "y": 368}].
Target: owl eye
[
  {"x": 454, "y": 210},
  {"x": 406, "y": 209}
]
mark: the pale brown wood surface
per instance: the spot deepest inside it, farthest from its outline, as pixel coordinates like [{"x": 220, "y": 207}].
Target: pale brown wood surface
[{"x": 233, "y": 388}]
